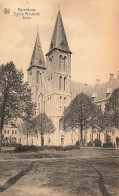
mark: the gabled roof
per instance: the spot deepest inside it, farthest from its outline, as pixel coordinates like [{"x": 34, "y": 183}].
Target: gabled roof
[
  {"x": 98, "y": 91},
  {"x": 37, "y": 58},
  {"x": 59, "y": 40}
]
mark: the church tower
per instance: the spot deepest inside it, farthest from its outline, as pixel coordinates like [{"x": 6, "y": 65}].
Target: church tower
[
  {"x": 58, "y": 77},
  {"x": 36, "y": 73}
]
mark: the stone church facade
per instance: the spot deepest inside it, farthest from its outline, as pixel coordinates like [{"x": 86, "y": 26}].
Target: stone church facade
[{"x": 51, "y": 81}]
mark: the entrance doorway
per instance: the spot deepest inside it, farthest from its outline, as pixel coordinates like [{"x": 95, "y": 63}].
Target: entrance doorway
[{"x": 62, "y": 140}]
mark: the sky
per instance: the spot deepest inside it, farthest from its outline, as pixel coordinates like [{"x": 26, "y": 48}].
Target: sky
[{"x": 91, "y": 26}]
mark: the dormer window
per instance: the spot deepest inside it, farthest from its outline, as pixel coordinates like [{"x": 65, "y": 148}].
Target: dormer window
[
  {"x": 40, "y": 62},
  {"x": 51, "y": 45},
  {"x": 62, "y": 44},
  {"x": 108, "y": 93},
  {"x": 50, "y": 58}
]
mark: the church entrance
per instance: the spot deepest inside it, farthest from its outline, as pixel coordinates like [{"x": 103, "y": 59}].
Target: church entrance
[{"x": 62, "y": 141}]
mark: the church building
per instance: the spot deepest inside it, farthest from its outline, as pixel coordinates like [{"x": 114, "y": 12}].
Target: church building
[
  {"x": 53, "y": 89},
  {"x": 50, "y": 82}
]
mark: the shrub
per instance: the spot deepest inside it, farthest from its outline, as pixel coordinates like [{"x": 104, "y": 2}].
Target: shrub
[
  {"x": 26, "y": 148},
  {"x": 90, "y": 144},
  {"x": 77, "y": 143},
  {"x": 82, "y": 142},
  {"x": 108, "y": 138},
  {"x": 36, "y": 148},
  {"x": 108, "y": 145},
  {"x": 97, "y": 143}
]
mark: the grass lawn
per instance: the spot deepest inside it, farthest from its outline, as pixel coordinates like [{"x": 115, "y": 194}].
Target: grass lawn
[{"x": 84, "y": 172}]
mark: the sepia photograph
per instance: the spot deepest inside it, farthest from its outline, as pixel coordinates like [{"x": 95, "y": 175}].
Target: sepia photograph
[{"x": 59, "y": 97}]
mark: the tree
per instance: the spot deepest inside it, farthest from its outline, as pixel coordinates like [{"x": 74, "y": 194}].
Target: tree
[
  {"x": 42, "y": 124},
  {"x": 15, "y": 96},
  {"x": 25, "y": 127},
  {"x": 81, "y": 114},
  {"x": 111, "y": 114}
]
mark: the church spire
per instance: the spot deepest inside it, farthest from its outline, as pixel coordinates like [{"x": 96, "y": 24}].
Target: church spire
[
  {"x": 59, "y": 40},
  {"x": 37, "y": 58}
]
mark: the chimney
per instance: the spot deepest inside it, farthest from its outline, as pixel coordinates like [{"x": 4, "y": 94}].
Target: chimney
[
  {"x": 111, "y": 78},
  {"x": 97, "y": 82},
  {"x": 108, "y": 92},
  {"x": 94, "y": 97}
]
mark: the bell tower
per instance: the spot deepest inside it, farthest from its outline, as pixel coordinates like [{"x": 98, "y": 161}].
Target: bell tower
[
  {"x": 35, "y": 74},
  {"x": 58, "y": 60}
]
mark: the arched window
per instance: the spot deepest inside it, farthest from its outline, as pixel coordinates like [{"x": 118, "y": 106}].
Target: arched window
[
  {"x": 60, "y": 125},
  {"x": 65, "y": 80},
  {"x": 60, "y": 82},
  {"x": 60, "y": 108},
  {"x": 39, "y": 107},
  {"x": 37, "y": 77},
  {"x": 65, "y": 99},
  {"x": 44, "y": 106},
  {"x": 60, "y": 99},
  {"x": 64, "y": 63},
  {"x": 60, "y": 61}
]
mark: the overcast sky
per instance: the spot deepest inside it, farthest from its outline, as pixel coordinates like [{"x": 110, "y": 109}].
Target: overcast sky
[{"x": 91, "y": 26}]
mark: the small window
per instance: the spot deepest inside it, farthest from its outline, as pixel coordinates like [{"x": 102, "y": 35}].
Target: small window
[
  {"x": 12, "y": 131},
  {"x": 60, "y": 125},
  {"x": 7, "y": 131},
  {"x": 15, "y": 132},
  {"x": 4, "y": 131},
  {"x": 60, "y": 57},
  {"x": 37, "y": 77},
  {"x": 64, "y": 63},
  {"x": 65, "y": 80},
  {"x": 65, "y": 99},
  {"x": 60, "y": 82}
]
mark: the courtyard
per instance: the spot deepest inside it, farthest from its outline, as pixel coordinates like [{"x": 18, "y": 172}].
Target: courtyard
[{"x": 84, "y": 172}]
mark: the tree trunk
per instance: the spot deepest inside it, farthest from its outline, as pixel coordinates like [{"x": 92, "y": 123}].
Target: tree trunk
[
  {"x": 2, "y": 115},
  {"x": 32, "y": 140},
  {"x": 1, "y": 128},
  {"x": 42, "y": 139},
  {"x": 72, "y": 137},
  {"x": 81, "y": 134},
  {"x": 81, "y": 125},
  {"x": 0, "y": 138},
  {"x": 27, "y": 138}
]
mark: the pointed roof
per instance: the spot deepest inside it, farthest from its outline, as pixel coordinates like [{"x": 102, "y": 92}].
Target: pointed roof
[
  {"x": 37, "y": 58},
  {"x": 59, "y": 40}
]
